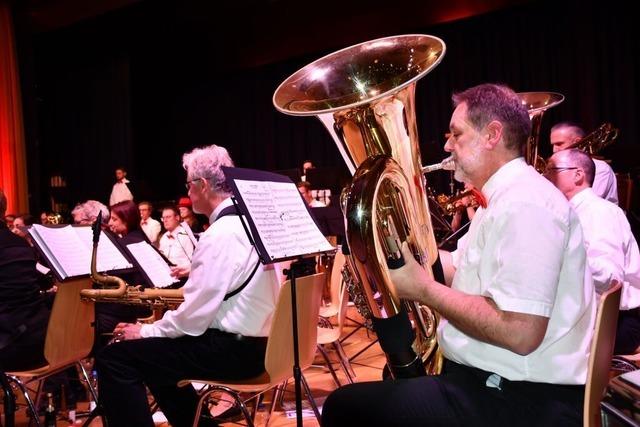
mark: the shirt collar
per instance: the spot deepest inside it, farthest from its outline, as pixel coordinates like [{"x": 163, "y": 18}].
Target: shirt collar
[
  {"x": 225, "y": 203},
  {"x": 503, "y": 177},
  {"x": 580, "y": 197}
]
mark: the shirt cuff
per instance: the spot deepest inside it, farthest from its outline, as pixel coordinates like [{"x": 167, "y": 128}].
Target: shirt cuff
[{"x": 149, "y": 331}]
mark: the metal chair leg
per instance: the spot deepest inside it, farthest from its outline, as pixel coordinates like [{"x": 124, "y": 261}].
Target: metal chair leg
[
  {"x": 329, "y": 365},
  {"x": 9, "y": 401},
  {"x": 344, "y": 362},
  {"x": 310, "y": 398},
  {"x": 27, "y": 398},
  {"x": 277, "y": 392}
]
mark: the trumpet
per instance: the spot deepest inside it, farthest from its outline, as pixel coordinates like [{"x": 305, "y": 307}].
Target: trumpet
[
  {"x": 447, "y": 164},
  {"x": 449, "y": 203}
]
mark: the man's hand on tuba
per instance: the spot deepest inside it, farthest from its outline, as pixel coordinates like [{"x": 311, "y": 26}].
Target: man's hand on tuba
[{"x": 411, "y": 279}]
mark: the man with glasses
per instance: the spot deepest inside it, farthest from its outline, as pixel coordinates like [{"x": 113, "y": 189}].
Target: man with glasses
[
  {"x": 612, "y": 251},
  {"x": 565, "y": 135},
  {"x": 218, "y": 332}
]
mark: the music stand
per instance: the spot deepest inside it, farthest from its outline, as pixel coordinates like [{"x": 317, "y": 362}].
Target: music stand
[{"x": 282, "y": 229}]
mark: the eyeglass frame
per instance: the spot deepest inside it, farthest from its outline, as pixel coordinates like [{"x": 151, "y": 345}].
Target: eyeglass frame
[
  {"x": 189, "y": 182},
  {"x": 559, "y": 169}
]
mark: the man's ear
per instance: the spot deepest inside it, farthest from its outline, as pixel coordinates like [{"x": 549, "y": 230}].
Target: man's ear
[
  {"x": 492, "y": 134},
  {"x": 579, "y": 177}
]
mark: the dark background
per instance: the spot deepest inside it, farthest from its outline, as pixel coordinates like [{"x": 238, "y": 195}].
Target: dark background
[{"x": 142, "y": 83}]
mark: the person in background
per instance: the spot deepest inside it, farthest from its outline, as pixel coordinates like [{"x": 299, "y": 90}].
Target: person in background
[
  {"x": 175, "y": 243},
  {"x": 8, "y": 219},
  {"x": 305, "y": 190},
  {"x": 306, "y": 165},
  {"x": 21, "y": 225},
  {"x": 150, "y": 226},
  {"x": 612, "y": 251},
  {"x": 86, "y": 213},
  {"x": 187, "y": 215},
  {"x": 122, "y": 189},
  {"x": 565, "y": 135}
]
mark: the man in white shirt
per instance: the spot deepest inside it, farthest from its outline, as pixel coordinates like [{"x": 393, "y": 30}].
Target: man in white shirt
[
  {"x": 305, "y": 190},
  {"x": 150, "y": 226},
  {"x": 175, "y": 243},
  {"x": 612, "y": 251},
  {"x": 121, "y": 190},
  {"x": 566, "y": 134},
  {"x": 219, "y": 331},
  {"x": 518, "y": 315}
]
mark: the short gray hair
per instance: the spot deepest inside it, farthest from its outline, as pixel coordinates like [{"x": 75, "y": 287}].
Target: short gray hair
[
  {"x": 89, "y": 211},
  {"x": 207, "y": 162}
]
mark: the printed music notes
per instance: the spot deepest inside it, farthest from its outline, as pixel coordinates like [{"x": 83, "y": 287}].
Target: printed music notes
[{"x": 281, "y": 218}]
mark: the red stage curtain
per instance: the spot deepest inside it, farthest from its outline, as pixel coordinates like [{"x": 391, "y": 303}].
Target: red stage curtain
[{"x": 13, "y": 164}]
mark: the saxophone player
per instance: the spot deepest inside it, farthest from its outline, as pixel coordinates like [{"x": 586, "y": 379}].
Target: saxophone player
[
  {"x": 518, "y": 308},
  {"x": 219, "y": 331}
]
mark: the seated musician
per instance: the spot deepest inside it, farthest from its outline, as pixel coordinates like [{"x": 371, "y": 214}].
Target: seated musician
[
  {"x": 124, "y": 222},
  {"x": 220, "y": 329},
  {"x": 518, "y": 309},
  {"x": 87, "y": 212},
  {"x": 175, "y": 243},
  {"x": 566, "y": 135},
  {"x": 612, "y": 251},
  {"x": 23, "y": 311}
]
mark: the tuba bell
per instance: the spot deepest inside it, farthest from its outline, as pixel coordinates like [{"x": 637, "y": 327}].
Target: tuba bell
[
  {"x": 364, "y": 95},
  {"x": 537, "y": 103}
]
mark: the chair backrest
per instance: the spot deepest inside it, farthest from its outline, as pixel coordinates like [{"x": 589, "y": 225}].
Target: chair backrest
[
  {"x": 336, "y": 278},
  {"x": 604, "y": 338},
  {"x": 69, "y": 332},
  {"x": 279, "y": 355}
]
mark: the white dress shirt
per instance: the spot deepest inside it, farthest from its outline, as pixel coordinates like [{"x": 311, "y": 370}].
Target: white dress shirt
[
  {"x": 525, "y": 252},
  {"x": 151, "y": 228},
  {"x": 605, "y": 183},
  {"x": 177, "y": 246},
  {"x": 222, "y": 261},
  {"x": 120, "y": 192},
  {"x": 612, "y": 251}
]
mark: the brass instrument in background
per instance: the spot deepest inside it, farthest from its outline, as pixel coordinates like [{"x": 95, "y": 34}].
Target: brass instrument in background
[
  {"x": 449, "y": 205},
  {"x": 537, "y": 103},
  {"x": 117, "y": 290},
  {"x": 55, "y": 219},
  {"x": 596, "y": 140},
  {"x": 364, "y": 95}
]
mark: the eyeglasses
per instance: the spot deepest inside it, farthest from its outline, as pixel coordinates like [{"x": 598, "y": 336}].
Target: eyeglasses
[
  {"x": 550, "y": 169},
  {"x": 187, "y": 184}
]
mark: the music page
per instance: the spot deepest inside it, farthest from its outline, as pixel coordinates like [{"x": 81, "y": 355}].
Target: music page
[
  {"x": 109, "y": 256},
  {"x": 281, "y": 218},
  {"x": 63, "y": 249},
  {"x": 156, "y": 268}
]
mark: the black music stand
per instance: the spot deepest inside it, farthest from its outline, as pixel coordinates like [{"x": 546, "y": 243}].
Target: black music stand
[{"x": 282, "y": 229}]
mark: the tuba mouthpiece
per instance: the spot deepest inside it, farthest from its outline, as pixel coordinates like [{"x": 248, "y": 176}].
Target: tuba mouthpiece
[{"x": 447, "y": 164}]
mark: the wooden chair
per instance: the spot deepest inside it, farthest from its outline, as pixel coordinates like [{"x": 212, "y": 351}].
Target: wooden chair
[
  {"x": 278, "y": 359},
  {"x": 327, "y": 334},
  {"x": 604, "y": 338},
  {"x": 69, "y": 340}
]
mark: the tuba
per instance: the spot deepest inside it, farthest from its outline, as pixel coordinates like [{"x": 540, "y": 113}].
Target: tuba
[
  {"x": 537, "y": 103},
  {"x": 115, "y": 289},
  {"x": 364, "y": 95}
]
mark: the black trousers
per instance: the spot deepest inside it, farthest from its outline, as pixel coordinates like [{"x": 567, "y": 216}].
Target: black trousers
[
  {"x": 628, "y": 332},
  {"x": 125, "y": 368},
  {"x": 458, "y": 397}
]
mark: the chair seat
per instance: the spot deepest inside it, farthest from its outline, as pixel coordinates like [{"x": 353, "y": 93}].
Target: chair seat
[
  {"x": 251, "y": 385},
  {"x": 31, "y": 373},
  {"x": 328, "y": 311},
  {"x": 328, "y": 335}
]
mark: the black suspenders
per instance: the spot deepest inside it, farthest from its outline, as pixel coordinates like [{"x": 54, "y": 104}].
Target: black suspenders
[{"x": 231, "y": 210}]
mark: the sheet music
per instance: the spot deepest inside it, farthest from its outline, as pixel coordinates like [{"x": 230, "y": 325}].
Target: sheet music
[
  {"x": 68, "y": 250},
  {"x": 109, "y": 256},
  {"x": 281, "y": 218},
  {"x": 67, "y": 254},
  {"x": 153, "y": 264}
]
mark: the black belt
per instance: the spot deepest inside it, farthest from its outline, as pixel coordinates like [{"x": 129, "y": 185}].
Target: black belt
[{"x": 237, "y": 337}]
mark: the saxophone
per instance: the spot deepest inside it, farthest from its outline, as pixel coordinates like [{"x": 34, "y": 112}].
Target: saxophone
[
  {"x": 364, "y": 95},
  {"x": 115, "y": 289}
]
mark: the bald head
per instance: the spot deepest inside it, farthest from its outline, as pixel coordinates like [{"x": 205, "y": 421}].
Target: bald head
[{"x": 571, "y": 171}]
